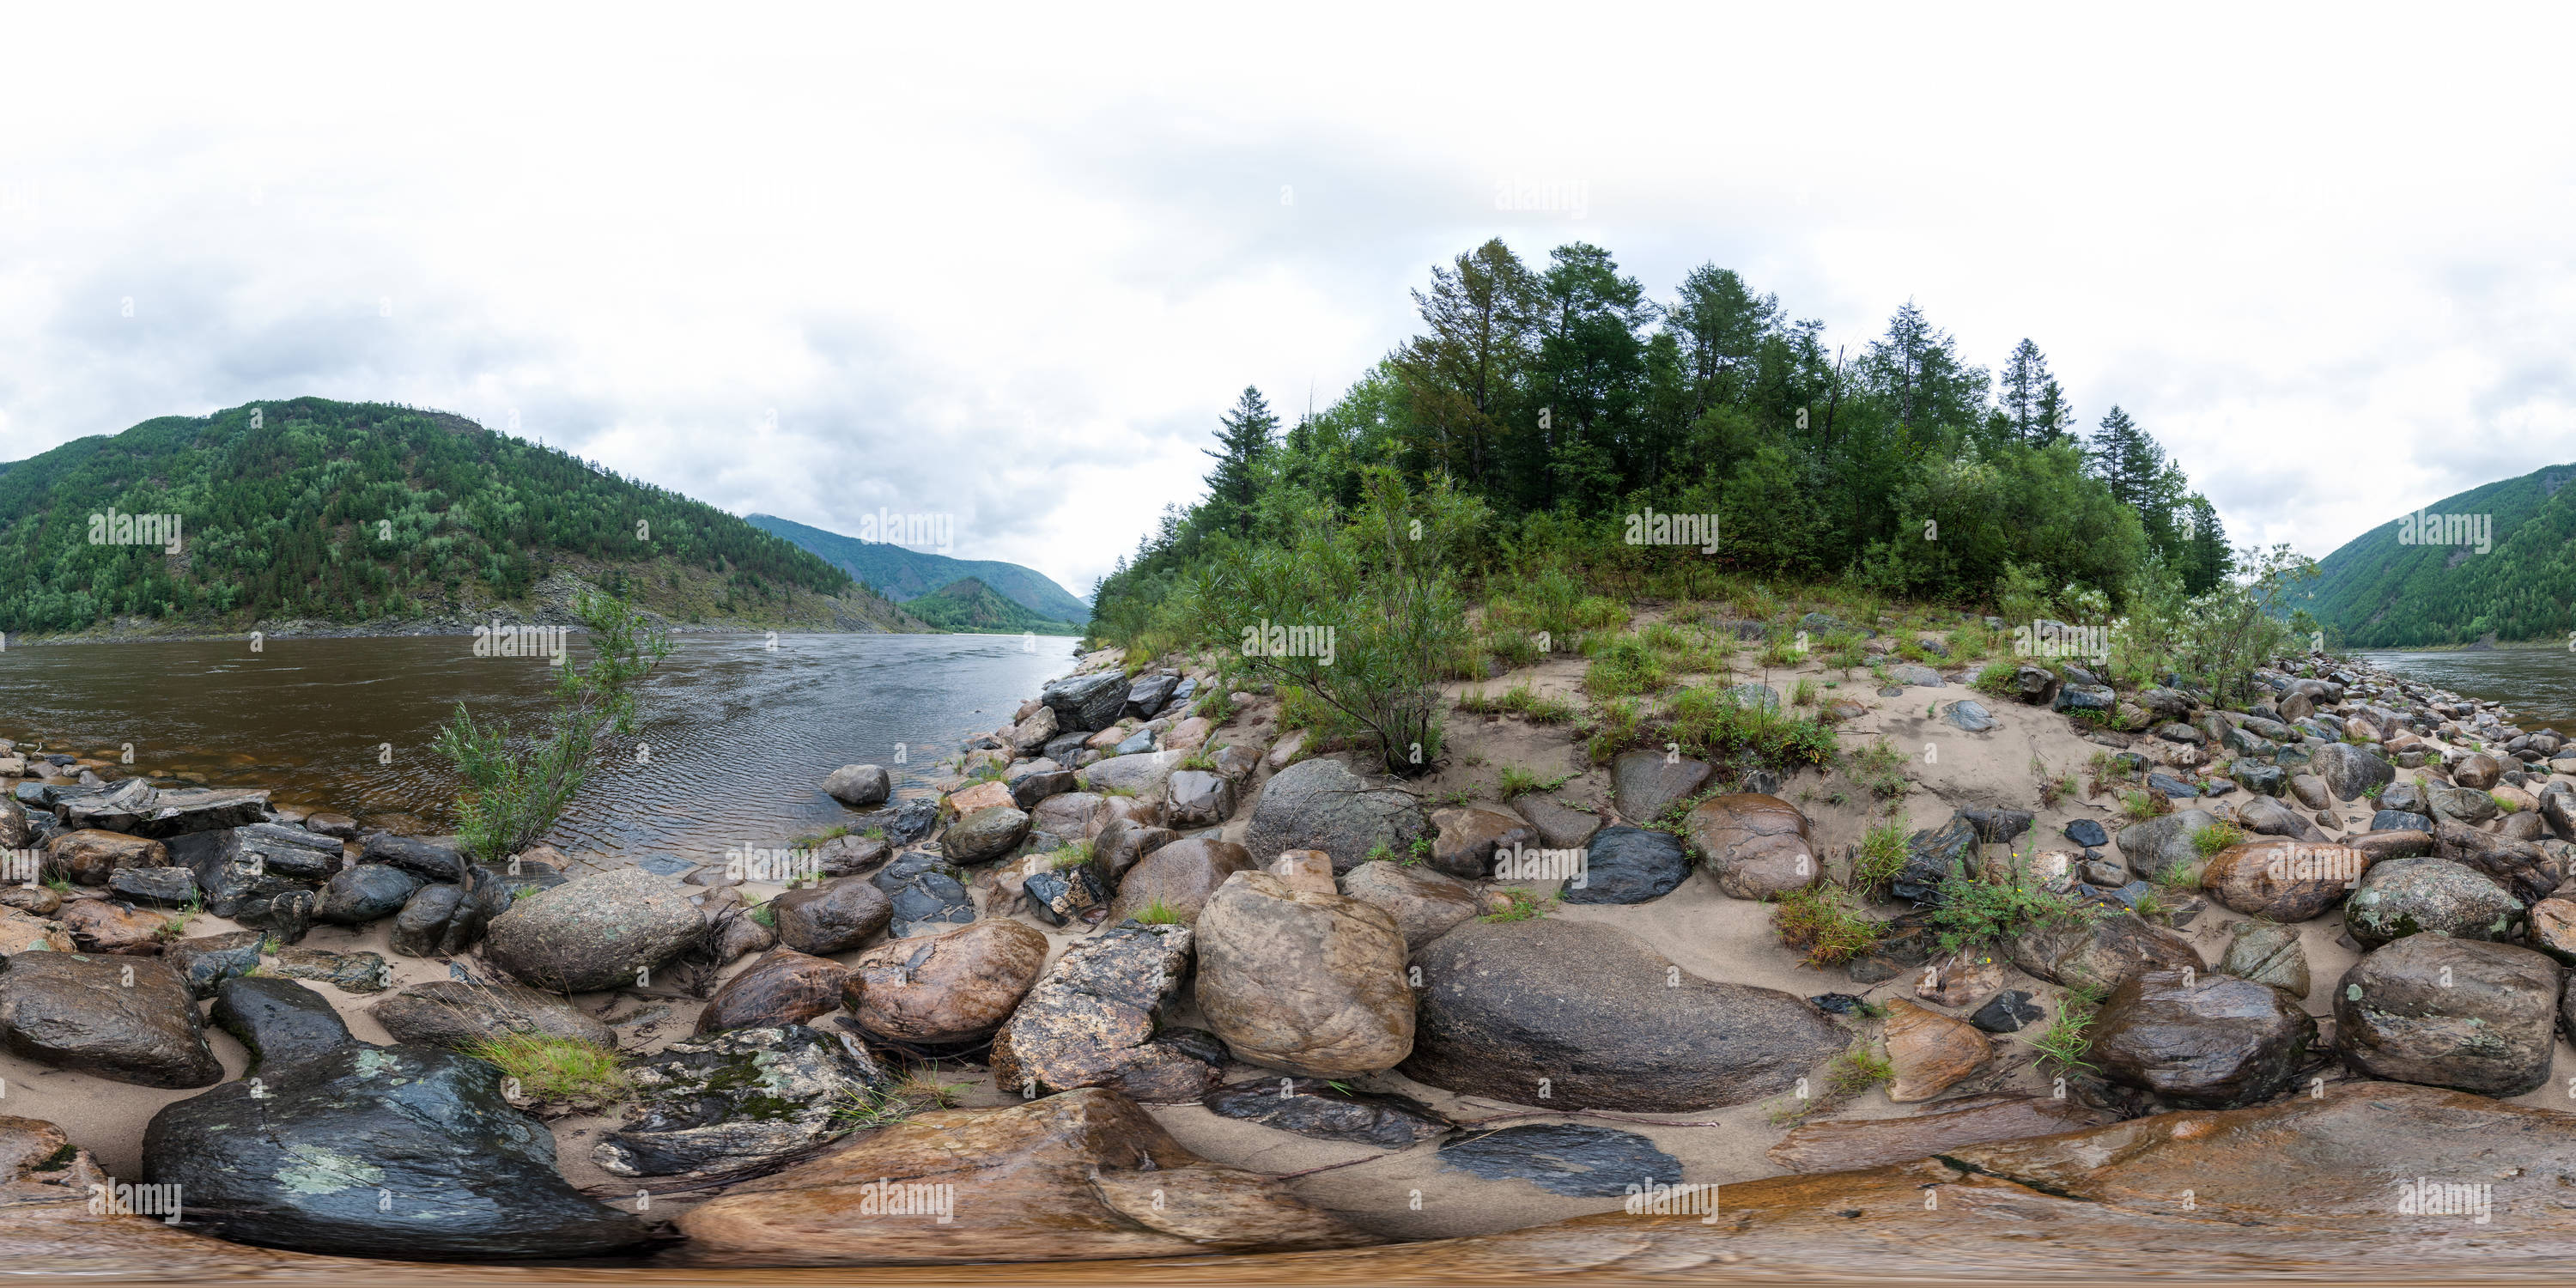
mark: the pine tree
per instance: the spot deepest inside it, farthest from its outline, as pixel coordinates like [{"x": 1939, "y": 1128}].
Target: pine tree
[
  {"x": 1246, "y": 438},
  {"x": 2127, "y": 459}
]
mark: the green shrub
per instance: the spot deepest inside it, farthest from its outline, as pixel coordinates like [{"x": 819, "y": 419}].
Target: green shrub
[
  {"x": 1159, "y": 913},
  {"x": 1881, "y": 854},
  {"x": 1974, "y": 913},
  {"x": 1709, "y": 722},
  {"x": 2066, "y": 1040},
  {"x": 553, "y": 1068},
  {"x": 1824, "y": 923},
  {"x": 1524, "y": 906},
  {"x": 2214, "y": 837},
  {"x": 1995, "y": 676},
  {"x": 1879, "y": 767}
]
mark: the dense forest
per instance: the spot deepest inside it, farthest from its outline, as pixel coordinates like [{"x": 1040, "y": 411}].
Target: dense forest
[
  {"x": 1561, "y": 399},
  {"x": 970, "y": 605},
  {"x": 903, "y": 574},
  {"x": 2378, "y": 591},
  {"x": 314, "y": 509}
]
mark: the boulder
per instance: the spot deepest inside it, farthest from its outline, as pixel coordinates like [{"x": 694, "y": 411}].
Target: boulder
[
  {"x": 2523, "y": 867},
  {"x": 2268, "y": 954},
  {"x": 1934, "y": 855},
  {"x": 604, "y": 930},
  {"x": 433, "y": 858},
  {"x": 405, "y": 1151},
  {"x": 1036, "y": 781},
  {"x": 1578, "y": 1160},
  {"x": 2283, "y": 880},
  {"x": 1308, "y": 982},
  {"x": 2403, "y": 897},
  {"x": 2381, "y": 846},
  {"x": 1148, "y": 693},
  {"x": 1308, "y": 870},
  {"x": 354, "y": 972},
  {"x": 2009, "y": 1011},
  {"x": 861, "y": 786},
  {"x": 1085, "y": 1176},
  {"x": 1756, "y": 846},
  {"x": 1468, "y": 838},
  {"x": 1030, "y": 736},
  {"x": 125, "y": 1019},
  {"x": 1076, "y": 815},
  {"x": 90, "y": 857},
  {"x": 985, "y": 835},
  {"x": 209, "y": 960},
  {"x": 2101, "y": 952},
  {"x": 834, "y": 917},
  {"x": 113, "y": 926},
  {"x": 1605, "y": 1021},
  {"x": 982, "y": 795},
  {"x": 1181, "y": 876},
  {"x": 784, "y": 987},
  {"x": 1559, "y": 827},
  {"x": 365, "y": 892},
  {"x": 1930, "y": 1052},
  {"x": 1644, "y": 783},
  {"x": 456, "y": 1015},
  {"x": 279, "y": 1021},
  {"x": 733, "y": 1101},
  {"x": 2206, "y": 1042},
  {"x": 2033, "y": 685},
  {"x": 138, "y": 809},
  {"x": 240, "y": 872},
  {"x": 2464, "y": 805},
  {"x": 1199, "y": 799},
  {"x": 1146, "y": 777},
  {"x": 952, "y": 987},
  {"x": 2157, "y": 845},
  {"x": 902, "y": 822},
  {"x": 1425, "y": 904},
  {"x": 154, "y": 887},
  {"x": 1091, "y": 1021},
  {"x": 1122, "y": 842},
  {"x": 1321, "y": 805},
  {"x": 2349, "y": 771},
  {"x": 2449, "y": 1012},
  {"x": 1087, "y": 702},
  {"x": 2477, "y": 770},
  {"x": 445, "y": 920},
  {"x": 1063, "y": 885},
  {"x": 1628, "y": 865}
]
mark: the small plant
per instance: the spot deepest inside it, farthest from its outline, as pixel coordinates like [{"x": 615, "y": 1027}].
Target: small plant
[
  {"x": 2067, "y": 1039},
  {"x": 2179, "y": 880},
  {"x": 1854, "y": 1072},
  {"x": 2371, "y": 793},
  {"x": 2211, "y": 839},
  {"x": 553, "y": 1068},
  {"x": 861, "y": 1107},
  {"x": 764, "y": 914},
  {"x": 1881, "y": 854},
  {"x": 1203, "y": 760},
  {"x": 1519, "y": 781},
  {"x": 2140, "y": 806},
  {"x": 175, "y": 925},
  {"x": 58, "y": 885},
  {"x": 1974, "y": 913},
  {"x": 1419, "y": 854},
  {"x": 2503, "y": 803},
  {"x": 1524, "y": 906},
  {"x": 1071, "y": 856},
  {"x": 874, "y": 833},
  {"x": 1995, "y": 677},
  {"x": 1159, "y": 913},
  {"x": 1880, "y": 767},
  {"x": 1824, "y": 923},
  {"x": 1803, "y": 694},
  {"x": 2151, "y": 906}
]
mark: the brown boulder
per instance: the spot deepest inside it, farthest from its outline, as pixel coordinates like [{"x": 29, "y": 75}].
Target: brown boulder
[
  {"x": 1308, "y": 982},
  {"x": 1181, "y": 876},
  {"x": 89, "y": 858},
  {"x": 1425, "y": 904},
  {"x": 1467, "y": 838},
  {"x": 832, "y": 918},
  {"x": 1840, "y": 1144},
  {"x": 99, "y": 926},
  {"x": 2207, "y": 1041},
  {"x": 1305, "y": 870},
  {"x": 785, "y": 987},
  {"x": 1091, "y": 1021},
  {"x": 953, "y": 987},
  {"x": 2478, "y": 771},
  {"x": 25, "y": 932},
  {"x": 2283, "y": 880},
  {"x": 1930, "y": 1051},
  {"x": 1755, "y": 845}
]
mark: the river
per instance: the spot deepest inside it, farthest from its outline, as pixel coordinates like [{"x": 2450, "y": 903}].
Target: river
[
  {"x": 738, "y": 732},
  {"x": 2539, "y": 684}
]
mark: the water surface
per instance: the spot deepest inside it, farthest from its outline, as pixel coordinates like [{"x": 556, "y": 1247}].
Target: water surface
[
  {"x": 738, "y": 732},
  {"x": 2539, "y": 684}
]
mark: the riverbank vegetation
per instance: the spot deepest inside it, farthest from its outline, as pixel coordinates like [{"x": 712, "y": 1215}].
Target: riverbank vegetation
[{"x": 1507, "y": 484}]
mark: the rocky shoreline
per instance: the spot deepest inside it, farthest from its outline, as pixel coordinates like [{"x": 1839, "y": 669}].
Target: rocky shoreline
[{"x": 1144, "y": 975}]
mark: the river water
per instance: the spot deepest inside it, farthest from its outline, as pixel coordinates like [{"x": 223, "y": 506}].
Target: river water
[
  {"x": 2539, "y": 684},
  {"x": 738, "y": 733}
]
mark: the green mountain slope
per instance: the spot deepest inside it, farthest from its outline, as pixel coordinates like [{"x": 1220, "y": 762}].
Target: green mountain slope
[
  {"x": 310, "y": 510},
  {"x": 903, "y": 574},
  {"x": 970, "y": 605},
  {"x": 2379, "y": 592}
]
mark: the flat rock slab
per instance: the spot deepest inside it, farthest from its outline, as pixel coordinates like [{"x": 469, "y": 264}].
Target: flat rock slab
[
  {"x": 1645, "y": 784},
  {"x": 1314, "y": 1107},
  {"x": 1573, "y": 1159},
  {"x": 1840, "y": 1144},
  {"x": 1629, "y": 865}
]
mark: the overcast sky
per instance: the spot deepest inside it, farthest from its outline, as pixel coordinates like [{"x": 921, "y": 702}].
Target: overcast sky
[{"x": 821, "y": 262}]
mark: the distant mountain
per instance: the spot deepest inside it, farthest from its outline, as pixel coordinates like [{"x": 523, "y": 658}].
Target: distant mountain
[
  {"x": 969, "y": 605},
  {"x": 902, "y": 574},
  {"x": 307, "y": 512},
  {"x": 2382, "y": 590}
]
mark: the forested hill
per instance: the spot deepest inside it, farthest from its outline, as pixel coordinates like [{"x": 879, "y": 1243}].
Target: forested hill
[
  {"x": 2380, "y": 592},
  {"x": 970, "y": 605},
  {"x": 310, "y": 510},
  {"x": 903, "y": 574}
]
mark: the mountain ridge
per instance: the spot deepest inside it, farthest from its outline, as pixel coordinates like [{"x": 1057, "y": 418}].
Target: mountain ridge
[
  {"x": 903, "y": 574},
  {"x": 2382, "y": 590}
]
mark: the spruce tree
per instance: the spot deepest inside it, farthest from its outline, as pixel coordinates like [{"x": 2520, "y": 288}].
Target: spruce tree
[{"x": 1246, "y": 437}]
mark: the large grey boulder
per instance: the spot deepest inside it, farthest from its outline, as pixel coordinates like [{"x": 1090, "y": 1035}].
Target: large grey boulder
[
  {"x": 1302, "y": 980},
  {"x": 2447, "y": 1012},
  {"x": 1321, "y": 805},
  {"x": 1645, "y": 784},
  {"x": 1578, "y": 1015},
  {"x": 2164, "y": 842},
  {"x": 596, "y": 932},
  {"x": 859, "y": 786},
  {"x": 2350, "y": 771},
  {"x": 2402, "y": 897},
  {"x": 1087, "y": 702}
]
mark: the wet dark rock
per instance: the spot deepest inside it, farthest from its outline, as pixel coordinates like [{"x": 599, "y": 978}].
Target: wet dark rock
[
  {"x": 2170, "y": 787},
  {"x": 280, "y": 1021},
  {"x": 2350, "y": 771},
  {"x": 2088, "y": 833},
  {"x": 365, "y": 892},
  {"x": 154, "y": 887},
  {"x": 405, "y": 1151},
  {"x": 126, "y": 1019},
  {"x": 985, "y": 835},
  {"x": 1969, "y": 714},
  {"x": 1630, "y": 865},
  {"x": 1029, "y": 786},
  {"x": 136, "y": 808},
  {"x": 1997, "y": 826},
  {"x": 445, "y": 920},
  {"x": 738, "y": 1099},
  {"x": 1933, "y": 855},
  {"x": 2202, "y": 1041},
  {"x": 1321, "y": 805},
  {"x": 1091, "y": 1021},
  {"x": 859, "y": 786},
  {"x": 1314, "y": 1107},
  {"x": 928, "y": 894},
  {"x": 1087, "y": 702},
  {"x": 2009, "y": 1011},
  {"x": 1839, "y": 1003},
  {"x": 2102, "y": 952},
  {"x": 358, "y": 972},
  {"x": 903, "y": 823},
  {"x": 209, "y": 960},
  {"x": 432, "y": 858},
  {"x": 1060, "y": 896},
  {"x": 784, "y": 987},
  {"x": 2157, "y": 845},
  {"x": 1148, "y": 694},
  {"x": 2390, "y": 820},
  {"x": 2267, "y": 954},
  {"x": 1573, "y": 1159}
]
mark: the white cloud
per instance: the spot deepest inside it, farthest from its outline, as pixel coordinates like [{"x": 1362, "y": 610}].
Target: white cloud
[{"x": 1012, "y": 266}]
